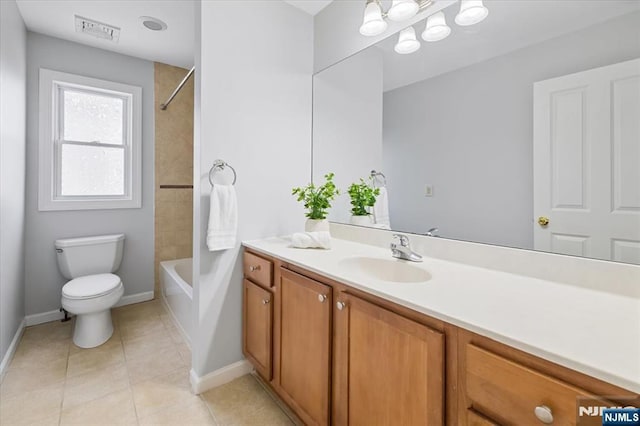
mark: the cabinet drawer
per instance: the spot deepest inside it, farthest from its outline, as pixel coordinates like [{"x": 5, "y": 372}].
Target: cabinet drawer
[
  {"x": 258, "y": 270},
  {"x": 510, "y": 392}
]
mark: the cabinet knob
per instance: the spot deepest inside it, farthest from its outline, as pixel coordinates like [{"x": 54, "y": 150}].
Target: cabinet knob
[
  {"x": 544, "y": 414},
  {"x": 322, "y": 298},
  {"x": 265, "y": 301},
  {"x": 341, "y": 305},
  {"x": 254, "y": 268}
]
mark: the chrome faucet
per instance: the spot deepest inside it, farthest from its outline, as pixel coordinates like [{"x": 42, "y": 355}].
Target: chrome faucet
[{"x": 401, "y": 249}]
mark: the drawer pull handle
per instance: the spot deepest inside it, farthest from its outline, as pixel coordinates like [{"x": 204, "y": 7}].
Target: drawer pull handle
[
  {"x": 544, "y": 414},
  {"x": 322, "y": 298},
  {"x": 265, "y": 301},
  {"x": 341, "y": 305},
  {"x": 254, "y": 268}
]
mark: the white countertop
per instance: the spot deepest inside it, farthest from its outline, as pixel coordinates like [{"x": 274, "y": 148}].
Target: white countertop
[{"x": 594, "y": 332}]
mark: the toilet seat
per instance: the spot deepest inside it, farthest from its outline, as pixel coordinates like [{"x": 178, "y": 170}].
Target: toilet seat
[{"x": 91, "y": 286}]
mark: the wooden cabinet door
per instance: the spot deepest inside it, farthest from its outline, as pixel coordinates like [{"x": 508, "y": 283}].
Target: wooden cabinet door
[
  {"x": 305, "y": 346},
  {"x": 257, "y": 327},
  {"x": 389, "y": 369}
]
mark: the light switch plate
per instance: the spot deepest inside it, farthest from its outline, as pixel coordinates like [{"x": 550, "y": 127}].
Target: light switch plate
[{"x": 428, "y": 190}]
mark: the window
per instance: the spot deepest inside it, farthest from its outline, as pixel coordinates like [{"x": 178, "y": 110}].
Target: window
[{"x": 90, "y": 143}]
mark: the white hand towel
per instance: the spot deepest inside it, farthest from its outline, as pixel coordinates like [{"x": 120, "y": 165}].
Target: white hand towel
[
  {"x": 311, "y": 240},
  {"x": 223, "y": 218},
  {"x": 381, "y": 209}
]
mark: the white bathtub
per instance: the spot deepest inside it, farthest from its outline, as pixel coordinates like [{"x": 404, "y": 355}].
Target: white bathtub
[{"x": 177, "y": 293}]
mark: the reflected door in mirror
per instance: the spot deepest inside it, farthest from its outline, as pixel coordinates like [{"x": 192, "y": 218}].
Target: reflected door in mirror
[{"x": 587, "y": 163}]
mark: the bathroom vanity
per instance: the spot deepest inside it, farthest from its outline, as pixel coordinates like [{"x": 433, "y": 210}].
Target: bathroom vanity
[
  {"x": 527, "y": 149},
  {"x": 452, "y": 344}
]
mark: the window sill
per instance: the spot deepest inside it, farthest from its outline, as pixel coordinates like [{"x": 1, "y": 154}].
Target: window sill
[{"x": 58, "y": 205}]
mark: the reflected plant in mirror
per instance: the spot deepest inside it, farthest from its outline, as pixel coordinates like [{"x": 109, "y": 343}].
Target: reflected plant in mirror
[
  {"x": 529, "y": 118},
  {"x": 363, "y": 198}
]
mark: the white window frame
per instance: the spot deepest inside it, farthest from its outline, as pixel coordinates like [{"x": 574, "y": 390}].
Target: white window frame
[{"x": 52, "y": 83}]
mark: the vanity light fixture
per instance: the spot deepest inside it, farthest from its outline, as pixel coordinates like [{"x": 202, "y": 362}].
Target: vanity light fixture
[
  {"x": 471, "y": 12},
  {"x": 373, "y": 22},
  {"x": 437, "y": 28},
  {"x": 407, "y": 42},
  {"x": 401, "y": 10}
]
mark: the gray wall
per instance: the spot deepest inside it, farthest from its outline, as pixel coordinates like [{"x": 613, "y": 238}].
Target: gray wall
[
  {"x": 253, "y": 110},
  {"x": 470, "y": 134},
  {"x": 347, "y": 123},
  {"x": 43, "y": 280},
  {"x": 13, "y": 69}
]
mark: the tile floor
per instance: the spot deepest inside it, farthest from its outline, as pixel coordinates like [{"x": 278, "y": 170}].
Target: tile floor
[{"x": 139, "y": 377}]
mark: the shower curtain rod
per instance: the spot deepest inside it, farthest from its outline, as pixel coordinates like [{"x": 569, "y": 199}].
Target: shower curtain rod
[{"x": 175, "y": 92}]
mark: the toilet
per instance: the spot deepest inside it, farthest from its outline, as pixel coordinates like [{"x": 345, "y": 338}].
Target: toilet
[{"x": 89, "y": 263}]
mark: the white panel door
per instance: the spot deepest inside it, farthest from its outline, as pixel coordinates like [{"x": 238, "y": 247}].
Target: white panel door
[{"x": 586, "y": 163}]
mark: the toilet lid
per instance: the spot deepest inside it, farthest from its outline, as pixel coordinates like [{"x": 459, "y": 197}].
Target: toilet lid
[{"x": 91, "y": 286}]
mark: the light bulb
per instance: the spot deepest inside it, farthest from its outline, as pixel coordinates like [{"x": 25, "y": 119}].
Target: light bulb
[
  {"x": 372, "y": 23},
  {"x": 407, "y": 42},
  {"x": 401, "y": 10},
  {"x": 437, "y": 28},
  {"x": 471, "y": 12}
]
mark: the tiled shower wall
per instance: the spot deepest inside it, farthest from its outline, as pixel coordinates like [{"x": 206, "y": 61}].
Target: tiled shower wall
[{"x": 174, "y": 166}]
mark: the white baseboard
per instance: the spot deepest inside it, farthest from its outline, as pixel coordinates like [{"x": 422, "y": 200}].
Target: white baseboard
[
  {"x": 8, "y": 356},
  {"x": 56, "y": 315},
  {"x": 131, "y": 299},
  {"x": 43, "y": 317},
  {"x": 219, "y": 377}
]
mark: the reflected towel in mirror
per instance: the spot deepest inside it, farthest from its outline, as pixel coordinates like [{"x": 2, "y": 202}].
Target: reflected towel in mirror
[{"x": 381, "y": 209}]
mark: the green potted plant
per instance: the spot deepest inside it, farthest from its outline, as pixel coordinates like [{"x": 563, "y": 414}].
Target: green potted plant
[
  {"x": 363, "y": 197},
  {"x": 317, "y": 201}
]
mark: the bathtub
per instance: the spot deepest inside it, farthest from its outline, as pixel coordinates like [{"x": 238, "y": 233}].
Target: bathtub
[{"x": 177, "y": 293}]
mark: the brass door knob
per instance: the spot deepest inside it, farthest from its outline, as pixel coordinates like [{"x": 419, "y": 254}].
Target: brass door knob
[{"x": 543, "y": 221}]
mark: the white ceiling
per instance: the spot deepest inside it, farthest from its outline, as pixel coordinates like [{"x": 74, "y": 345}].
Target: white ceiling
[
  {"x": 511, "y": 25},
  {"x": 310, "y": 6},
  {"x": 174, "y": 46}
]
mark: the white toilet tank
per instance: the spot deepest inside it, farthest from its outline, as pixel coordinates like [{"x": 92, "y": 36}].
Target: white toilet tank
[{"x": 78, "y": 257}]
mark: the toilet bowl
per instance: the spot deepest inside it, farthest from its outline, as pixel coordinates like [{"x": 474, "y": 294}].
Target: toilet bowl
[
  {"x": 91, "y": 298},
  {"x": 93, "y": 289}
]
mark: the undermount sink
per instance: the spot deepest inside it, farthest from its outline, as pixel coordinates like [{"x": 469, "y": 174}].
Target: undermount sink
[{"x": 391, "y": 270}]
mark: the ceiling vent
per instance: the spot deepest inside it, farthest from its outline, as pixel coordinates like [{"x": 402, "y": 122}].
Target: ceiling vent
[{"x": 97, "y": 29}]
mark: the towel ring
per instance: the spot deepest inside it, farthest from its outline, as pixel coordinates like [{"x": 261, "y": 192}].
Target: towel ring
[
  {"x": 219, "y": 165},
  {"x": 375, "y": 174}
]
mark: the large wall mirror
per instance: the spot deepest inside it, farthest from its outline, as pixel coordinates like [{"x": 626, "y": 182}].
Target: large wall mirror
[{"x": 520, "y": 131}]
